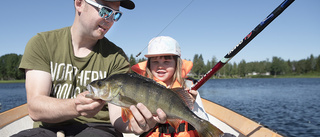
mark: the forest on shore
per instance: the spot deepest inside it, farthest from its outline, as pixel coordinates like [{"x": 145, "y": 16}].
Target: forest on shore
[{"x": 276, "y": 67}]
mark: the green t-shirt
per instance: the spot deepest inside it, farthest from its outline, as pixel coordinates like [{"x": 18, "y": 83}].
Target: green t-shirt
[{"x": 52, "y": 52}]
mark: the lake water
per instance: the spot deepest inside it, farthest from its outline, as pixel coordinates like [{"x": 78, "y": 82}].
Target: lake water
[
  {"x": 12, "y": 95},
  {"x": 288, "y": 106}
]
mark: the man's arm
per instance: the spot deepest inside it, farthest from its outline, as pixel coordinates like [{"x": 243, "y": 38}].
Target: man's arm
[{"x": 44, "y": 108}]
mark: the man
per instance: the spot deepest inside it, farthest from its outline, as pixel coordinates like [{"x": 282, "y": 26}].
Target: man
[{"x": 60, "y": 63}]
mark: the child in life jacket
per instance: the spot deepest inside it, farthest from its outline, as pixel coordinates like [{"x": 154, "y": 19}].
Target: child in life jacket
[{"x": 165, "y": 66}]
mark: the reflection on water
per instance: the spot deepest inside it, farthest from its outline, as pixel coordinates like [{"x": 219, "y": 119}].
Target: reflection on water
[{"x": 289, "y": 106}]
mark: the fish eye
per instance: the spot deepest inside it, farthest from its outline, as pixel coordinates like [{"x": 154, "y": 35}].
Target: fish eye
[{"x": 99, "y": 83}]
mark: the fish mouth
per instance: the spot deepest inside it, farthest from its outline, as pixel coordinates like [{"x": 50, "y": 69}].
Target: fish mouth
[
  {"x": 93, "y": 92},
  {"x": 92, "y": 89}
]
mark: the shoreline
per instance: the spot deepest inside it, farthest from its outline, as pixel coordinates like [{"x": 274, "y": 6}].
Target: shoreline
[
  {"x": 12, "y": 81},
  {"x": 257, "y": 76},
  {"x": 263, "y": 76}
]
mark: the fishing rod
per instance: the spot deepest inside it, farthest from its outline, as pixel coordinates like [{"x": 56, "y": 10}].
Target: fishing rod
[
  {"x": 243, "y": 43},
  {"x": 166, "y": 26}
]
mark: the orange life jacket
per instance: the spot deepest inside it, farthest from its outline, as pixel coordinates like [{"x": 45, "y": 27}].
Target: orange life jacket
[{"x": 165, "y": 130}]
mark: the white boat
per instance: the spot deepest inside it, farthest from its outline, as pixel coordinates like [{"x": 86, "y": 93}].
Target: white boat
[{"x": 17, "y": 119}]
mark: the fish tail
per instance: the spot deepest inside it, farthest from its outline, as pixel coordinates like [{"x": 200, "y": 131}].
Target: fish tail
[{"x": 206, "y": 129}]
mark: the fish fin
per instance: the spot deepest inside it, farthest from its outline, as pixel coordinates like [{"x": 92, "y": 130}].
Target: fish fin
[
  {"x": 185, "y": 96},
  {"x": 126, "y": 114},
  {"x": 174, "y": 123},
  {"x": 206, "y": 129},
  {"x": 126, "y": 100}
]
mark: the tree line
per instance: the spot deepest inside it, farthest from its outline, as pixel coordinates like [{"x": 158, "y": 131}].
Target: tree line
[
  {"x": 274, "y": 67},
  {"x": 9, "y": 64},
  {"x": 9, "y": 67}
]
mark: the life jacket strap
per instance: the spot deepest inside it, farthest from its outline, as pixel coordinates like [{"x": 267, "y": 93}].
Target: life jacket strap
[{"x": 167, "y": 129}]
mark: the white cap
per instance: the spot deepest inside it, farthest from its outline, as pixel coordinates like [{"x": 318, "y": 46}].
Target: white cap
[{"x": 162, "y": 46}]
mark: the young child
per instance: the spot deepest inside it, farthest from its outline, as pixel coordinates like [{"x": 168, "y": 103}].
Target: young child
[{"x": 165, "y": 66}]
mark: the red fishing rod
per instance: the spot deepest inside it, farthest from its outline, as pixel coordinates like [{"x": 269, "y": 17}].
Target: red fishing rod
[{"x": 243, "y": 43}]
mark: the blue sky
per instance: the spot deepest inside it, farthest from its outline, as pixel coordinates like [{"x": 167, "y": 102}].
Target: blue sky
[{"x": 208, "y": 27}]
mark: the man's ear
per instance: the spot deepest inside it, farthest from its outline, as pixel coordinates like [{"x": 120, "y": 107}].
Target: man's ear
[{"x": 79, "y": 5}]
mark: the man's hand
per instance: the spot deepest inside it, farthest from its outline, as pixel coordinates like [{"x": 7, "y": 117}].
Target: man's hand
[{"x": 86, "y": 106}]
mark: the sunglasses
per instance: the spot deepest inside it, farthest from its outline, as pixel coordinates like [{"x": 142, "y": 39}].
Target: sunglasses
[{"x": 106, "y": 12}]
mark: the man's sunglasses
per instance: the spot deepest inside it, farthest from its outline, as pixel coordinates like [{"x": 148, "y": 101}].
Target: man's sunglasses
[{"x": 105, "y": 12}]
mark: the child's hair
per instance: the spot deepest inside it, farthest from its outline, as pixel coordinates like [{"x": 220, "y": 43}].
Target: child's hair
[{"x": 177, "y": 74}]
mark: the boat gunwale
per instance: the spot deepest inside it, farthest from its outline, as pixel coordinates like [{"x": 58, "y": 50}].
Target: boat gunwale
[
  {"x": 13, "y": 114},
  {"x": 242, "y": 124}
]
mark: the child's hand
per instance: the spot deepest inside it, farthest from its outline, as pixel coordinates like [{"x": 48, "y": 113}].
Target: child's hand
[
  {"x": 193, "y": 94},
  {"x": 144, "y": 120}
]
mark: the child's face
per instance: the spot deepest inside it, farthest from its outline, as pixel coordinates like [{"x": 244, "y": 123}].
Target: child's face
[{"x": 163, "y": 68}]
